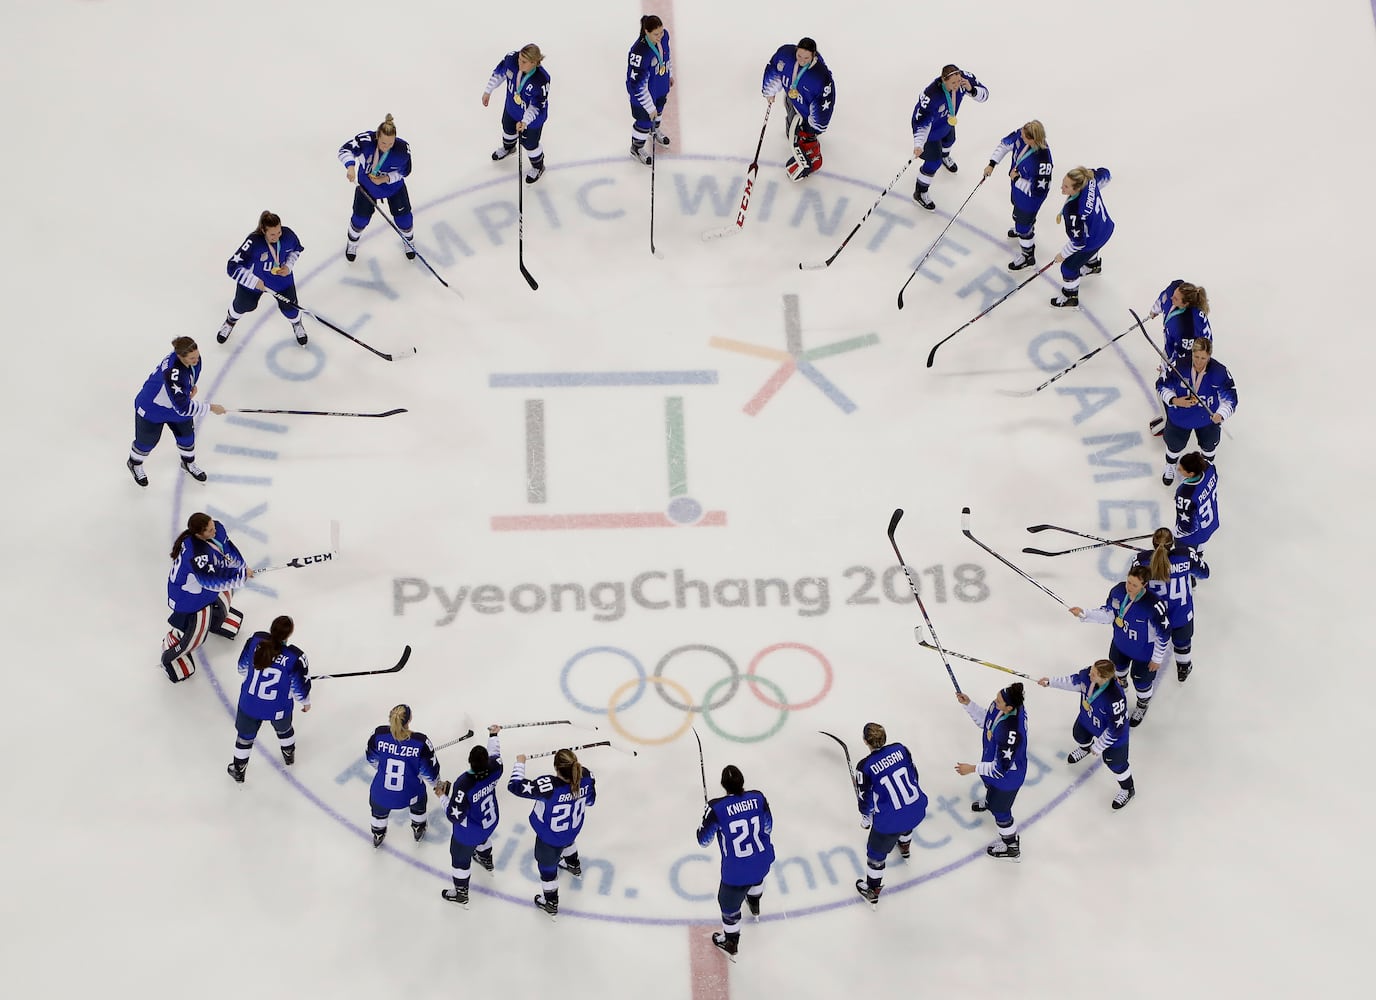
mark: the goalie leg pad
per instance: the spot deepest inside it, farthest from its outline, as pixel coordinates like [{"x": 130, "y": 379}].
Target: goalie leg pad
[
  {"x": 225, "y": 620},
  {"x": 177, "y": 665}
]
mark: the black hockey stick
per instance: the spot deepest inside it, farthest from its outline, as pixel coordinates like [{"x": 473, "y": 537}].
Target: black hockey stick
[
  {"x": 327, "y": 413},
  {"x": 521, "y": 220},
  {"x": 1068, "y": 370},
  {"x": 405, "y": 655},
  {"x": 829, "y": 260},
  {"x": 654, "y": 160},
  {"x": 965, "y": 530},
  {"x": 401, "y": 356},
  {"x": 466, "y": 736},
  {"x": 702, "y": 767},
  {"x": 931, "y": 358},
  {"x": 546, "y": 722},
  {"x": 1101, "y": 543},
  {"x": 934, "y": 246},
  {"x": 583, "y": 746},
  {"x": 298, "y": 562},
  {"x": 973, "y": 659},
  {"x": 1185, "y": 379},
  {"x": 750, "y": 174},
  {"x": 893, "y": 526},
  {"x": 850, "y": 768},
  {"x": 410, "y": 245}
]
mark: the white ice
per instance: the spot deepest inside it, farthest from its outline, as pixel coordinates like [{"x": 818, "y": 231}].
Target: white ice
[{"x": 142, "y": 141}]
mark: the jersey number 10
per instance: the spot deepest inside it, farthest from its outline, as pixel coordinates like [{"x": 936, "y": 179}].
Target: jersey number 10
[{"x": 901, "y": 788}]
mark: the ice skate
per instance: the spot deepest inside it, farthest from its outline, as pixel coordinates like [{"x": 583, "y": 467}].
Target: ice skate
[
  {"x": 458, "y": 894},
  {"x": 729, "y": 943},
  {"x": 136, "y": 470},
  {"x": 194, "y": 471},
  {"x": 236, "y": 770},
  {"x": 1005, "y": 851},
  {"x": 870, "y": 896}
]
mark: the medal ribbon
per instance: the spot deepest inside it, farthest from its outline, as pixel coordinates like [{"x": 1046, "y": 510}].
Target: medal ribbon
[
  {"x": 798, "y": 75},
  {"x": 1098, "y": 691}
]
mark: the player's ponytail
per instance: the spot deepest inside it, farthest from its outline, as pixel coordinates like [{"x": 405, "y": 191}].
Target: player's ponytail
[
  {"x": 567, "y": 767},
  {"x": 271, "y": 647},
  {"x": 732, "y": 781},
  {"x": 195, "y": 524},
  {"x": 1194, "y": 296},
  {"x": 399, "y": 719},
  {"x": 388, "y": 127},
  {"x": 267, "y": 220},
  {"x": 1162, "y": 541},
  {"x": 649, "y": 23}
]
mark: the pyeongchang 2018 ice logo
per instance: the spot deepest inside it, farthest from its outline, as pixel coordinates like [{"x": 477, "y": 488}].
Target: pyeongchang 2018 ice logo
[{"x": 776, "y": 681}]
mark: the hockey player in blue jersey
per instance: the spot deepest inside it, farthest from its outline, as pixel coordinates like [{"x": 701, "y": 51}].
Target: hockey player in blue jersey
[
  {"x": 1141, "y": 630},
  {"x": 264, "y": 262},
  {"x": 891, "y": 802},
  {"x": 1029, "y": 174},
  {"x": 1100, "y": 725},
  {"x": 206, "y": 568},
  {"x": 1002, "y": 765},
  {"x": 473, "y": 811},
  {"x": 276, "y": 676},
  {"x": 386, "y": 163},
  {"x": 741, "y": 824},
  {"x": 561, "y": 800},
  {"x": 1174, "y": 568},
  {"x": 1198, "y": 399},
  {"x": 1184, "y": 312},
  {"x": 1088, "y": 229},
  {"x": 802, "y": 75},
  {"x": 168, "y": 398},
  {"x": 649, "y": 78},
  {"x": 1196, "y": 501},
  {"x": 934, "y": 125},
  {"x": 527, "y": 105},
  {"x": 405, "y": 762}
]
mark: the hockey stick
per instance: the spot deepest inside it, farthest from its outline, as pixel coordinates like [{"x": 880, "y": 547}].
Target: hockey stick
[
  {"x": 521, "y": 220},
  {"x": 829, "y": 260},
  {"x": 1183, "y": 378},
  {"x": 934, "y": 245},
  {"x": 893, "y": 526},
  {"x": 973, "y": 659},
  {"x": 299, "y": 562},
  {"x": 402, "y": 356},
  {"x": 1067, "y": 371},
  {"x": 583, "y": 746},
  {"x": 750, "y": 174},
  {"x": 405, "y": 655},
  {"x": 546, "y": 722},
  {"x": 1098, "y": 544},
  {"x": 326, "y": 413},
  {"x": 411, "y": 246},
  {"x": 654, "y": 160},
  {"x": 850, "y": 768},
  {"x": 931, "y": 358},
  {"x": 466, "y": 736},
  {"x": 702, "y": 767},
  {"x": 965, "y": 530}
]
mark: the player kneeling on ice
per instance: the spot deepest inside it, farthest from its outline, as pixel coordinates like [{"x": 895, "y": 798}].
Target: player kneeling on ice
[
  {"x": 741, "y": 823},
  {"x": 891, "y": 803},
  {"x": 561, "y": 799},
  {"x": 1101, "y": 726},
  {"x": 473, "y": 811},
  {"x": 801, "y": 72},
  {"x": 276, "y": 676},
  {"x": 1003, "y": 763},
  {"x": 206, "y": 568},
  {"x": 405, "y": 761}
]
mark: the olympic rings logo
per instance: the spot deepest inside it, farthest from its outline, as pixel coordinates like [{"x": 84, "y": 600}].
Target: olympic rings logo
[{"x": 718, "y": 694}]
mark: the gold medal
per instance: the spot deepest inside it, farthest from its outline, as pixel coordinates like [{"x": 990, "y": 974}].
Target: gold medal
[
  {"x": 1120, "y": 623},
  {"x": 951, "y": 119},
  {"x": 793, "y": 93}
]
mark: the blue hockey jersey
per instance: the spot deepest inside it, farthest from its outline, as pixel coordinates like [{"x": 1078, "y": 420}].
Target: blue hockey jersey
[
  {"x": 1029, "y": 172},
  {"x": 1187, "y": 565},
  {"x": 889, "y": 791},
  {"x": 1214, "y": 385},
  {"x": 1087, "y": 222},
  {"x": 268, "y": 693},
  {"x": 1103, "y": 708},
  {"x": 527, "y": 94},
  {"x": 1196, "y": 508},
  {"x": 403, "y": 767},
  {"x": 255, "y": 259},
  {"x": 742, "y": 825},
  {"x": 1181, "y": 326},
  {"x": 1003, "y": 757},
  {"x": 936, "y": 106},
  {"x": 557, "y": 816},
  {"x": 393, "y": 166},
  {"x": 648, "y": 73},
  {"x": 166, "y": 394},
  {"x": 203, "y": 568},
  {"x": 1141, "y": 625},
  {"x": 472, "y": 804},
  {"x": 813, "y": 84}
]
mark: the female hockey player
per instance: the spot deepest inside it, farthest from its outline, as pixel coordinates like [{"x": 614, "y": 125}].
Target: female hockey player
[
  {"x": 1029, "y": 177},
  {"x": 386, "y": 163},
  {"x": 802, "y": 75},
  {"x": 561, "y": 799},
  {"x": 1088, "y": 229},
  {"x": 526, "y": 108},
  {"x": 276, "y": 676},
  {"x": 1003, "y": 763},
  {"x": 472, "y": 810},
  {"x": 206, "y": 569},
  {"x": 891, "y": 802},
  {"x": 1174, "y": 568},
  {"x": 1099, "y": 727},
  {"x": 649, "y": 78},
  {"x": 1198, "y": 399},
  {"x": 168, "y": 399},
  {"x": 934, "y": 125},
  {"x": 264, "y": 262},
  {"x": 1141, "y": 628},
  {"x": 405, "y": 761},
  {"x": 741, "y": 823}
]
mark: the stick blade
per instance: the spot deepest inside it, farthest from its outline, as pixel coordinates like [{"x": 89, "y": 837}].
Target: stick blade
[
  {"x": 404, "y": 355},
  {"x": 965, "y": 520},
  {"x": 405, "y": 658},
  {"x": 812, "y": 267},
  {"x": 1034, "y": 528},
  {"x": 716, "y": 234},
  {"x": 1017, "y": 393},
  {"x": 893, "y": 521}
]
